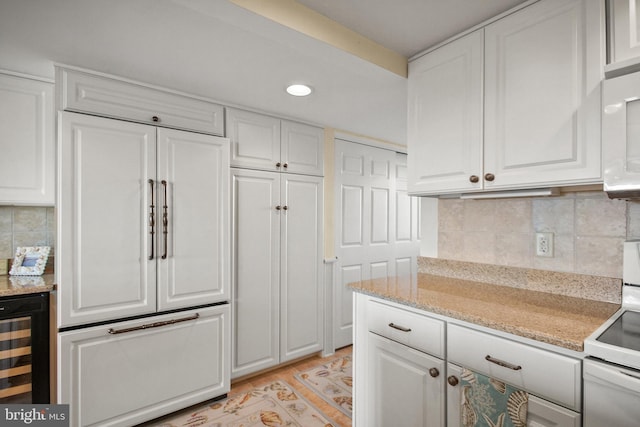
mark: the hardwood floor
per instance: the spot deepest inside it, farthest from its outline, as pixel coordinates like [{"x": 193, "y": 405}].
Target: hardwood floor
[{"x": 287, "y": 373}]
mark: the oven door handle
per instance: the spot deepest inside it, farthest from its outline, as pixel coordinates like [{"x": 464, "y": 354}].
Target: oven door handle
[{"x": 626, "y": 379}]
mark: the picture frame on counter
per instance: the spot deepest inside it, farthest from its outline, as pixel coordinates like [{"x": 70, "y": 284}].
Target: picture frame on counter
[{"x": 30, "y": 261}]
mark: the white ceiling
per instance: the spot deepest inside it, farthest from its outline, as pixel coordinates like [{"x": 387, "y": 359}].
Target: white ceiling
[
  {"x": 216, "y": 49},
  {"x": 409, "y": 26}
]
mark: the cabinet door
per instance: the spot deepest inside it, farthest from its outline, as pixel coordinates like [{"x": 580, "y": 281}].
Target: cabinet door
[
  {"x": 445, "y": 118},
  {"x": 27, "y": 163},
  {"x": 255, "y": 270},
  {"x": 540, "y": 413},
  {"x": 302, "y": 148},
  {"x": 119, "y": 98},
  {"x": 624, "y": 37},
  {"x": 104, "y": 199},
  {"x": 255, "y": 140},
  {"x": 192, "y": 216},
  {"x": 301, "y": 305},
  {"x": 406, "y": 387},
  {"x": 543, "y": 67},
  {"x": 122, "y": 379}
]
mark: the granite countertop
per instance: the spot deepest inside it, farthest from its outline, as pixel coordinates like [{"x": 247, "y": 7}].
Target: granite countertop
[
  {"x": 20, "y": 285},
  {"x": 555, "y": 319}
]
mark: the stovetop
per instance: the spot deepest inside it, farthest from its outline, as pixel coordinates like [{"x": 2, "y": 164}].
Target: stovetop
[{"x": 624, "y": 331}]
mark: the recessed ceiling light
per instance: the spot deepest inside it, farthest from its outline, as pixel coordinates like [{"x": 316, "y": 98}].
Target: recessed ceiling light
[{"x": 298, "y": 90}]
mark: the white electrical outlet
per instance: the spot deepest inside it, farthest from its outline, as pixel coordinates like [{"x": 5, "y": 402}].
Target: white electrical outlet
[{"x": 544, "y": 244}]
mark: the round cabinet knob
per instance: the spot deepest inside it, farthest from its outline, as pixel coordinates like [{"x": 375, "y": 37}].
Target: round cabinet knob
[
  {"x": 474, "y": 178},
  {"x": 155, "y": 118},
  {"x": 286, "y": 165},
  {"x": 278, "y": 164},
  {"x": 285, "y": 207},
  {"x": 278, "y": 207},
  {"x": 434, "y": 372},
  {"x": 452, "y": 380},
  {"x": 489, "y": 177}
]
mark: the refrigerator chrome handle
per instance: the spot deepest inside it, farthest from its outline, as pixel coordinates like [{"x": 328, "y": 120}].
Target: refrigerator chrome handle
[
  {"x": 152, "y": 220},
  {"x": 165, "y": 220}
]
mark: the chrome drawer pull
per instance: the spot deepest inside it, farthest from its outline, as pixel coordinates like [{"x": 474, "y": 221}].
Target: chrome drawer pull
[
  {"x": 503, "y": 363},
  {"x": 152, "y": 325},
  {"x": 400, "y": 328}
]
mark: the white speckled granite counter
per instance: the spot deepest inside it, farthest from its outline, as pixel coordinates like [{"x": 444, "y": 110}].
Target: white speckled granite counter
[
  {"x": 555, "y": 319},
  {"x": 20, "y": 285}
]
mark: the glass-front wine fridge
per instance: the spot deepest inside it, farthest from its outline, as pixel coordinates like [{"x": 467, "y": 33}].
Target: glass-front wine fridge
[{"x": 24, "y": 349}]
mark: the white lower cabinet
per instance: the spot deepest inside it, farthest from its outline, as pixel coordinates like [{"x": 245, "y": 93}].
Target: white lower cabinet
[
  {"x": 540, "y": 413},
  {"x": 122, "y": 374},
  {"x": 400, "y": 377},
  {"x": 399, "y": 368},
  {"x": 406, "y": 386}
]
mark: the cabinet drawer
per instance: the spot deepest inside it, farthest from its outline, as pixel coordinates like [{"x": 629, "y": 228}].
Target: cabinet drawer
[
  {"x": 406, "y": 327},
  {"x": 541, "y": 372},
  {"x": 122, "y": 379},
  {"x": 104, "y": 96}
]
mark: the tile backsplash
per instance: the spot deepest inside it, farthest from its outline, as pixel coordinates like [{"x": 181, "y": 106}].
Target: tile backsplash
[
  {"x": 588, "y": 231},
  {"x": 26, "y": 226}
]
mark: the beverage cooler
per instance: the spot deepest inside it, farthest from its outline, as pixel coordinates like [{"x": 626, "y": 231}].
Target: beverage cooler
[{"x": 24, "y": 349}]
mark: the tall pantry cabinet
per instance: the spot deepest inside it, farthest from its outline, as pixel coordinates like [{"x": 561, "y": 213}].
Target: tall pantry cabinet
[{"x": 277, "y": 218}]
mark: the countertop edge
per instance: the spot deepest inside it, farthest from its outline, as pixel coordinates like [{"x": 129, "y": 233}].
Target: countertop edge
[{"x": 547, "y": 337}]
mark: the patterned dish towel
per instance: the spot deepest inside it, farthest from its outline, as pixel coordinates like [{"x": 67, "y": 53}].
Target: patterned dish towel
[{"x": 486, "y": 402}]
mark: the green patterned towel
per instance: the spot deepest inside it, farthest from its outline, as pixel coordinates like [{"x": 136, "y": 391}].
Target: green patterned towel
[{"x": 486, "y": 402}]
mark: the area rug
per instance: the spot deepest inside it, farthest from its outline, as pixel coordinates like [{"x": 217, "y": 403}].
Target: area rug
[
  {"x": 273, "y": 405},
  {"x": 333, "y": 382}
]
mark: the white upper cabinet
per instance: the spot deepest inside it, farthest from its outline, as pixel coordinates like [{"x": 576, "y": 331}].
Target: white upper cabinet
[
  {"x": 103, "y": 95},
  {"x": 542, "y": 102},
  {"x": 537, "y": 123},
  {"x": 268, "y": 143},
  {"x": 445, "y": 117},
  {"x": 27, "y": 162},
  {"x": 624, "y": 37}
]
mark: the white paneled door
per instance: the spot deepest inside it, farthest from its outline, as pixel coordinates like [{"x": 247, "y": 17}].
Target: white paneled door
[{"x": 376, "y": 224}]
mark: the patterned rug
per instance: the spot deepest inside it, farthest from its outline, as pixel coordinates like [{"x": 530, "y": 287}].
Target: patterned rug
[
  {"x": 275, "y": 404},
  {"x": 333, "y": 382}
]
